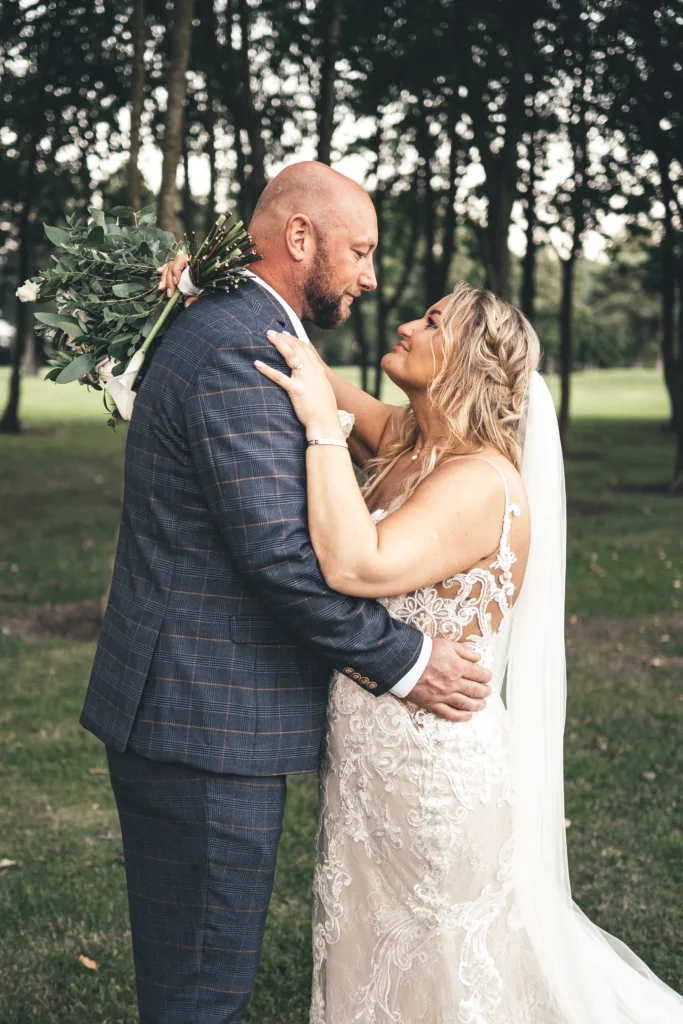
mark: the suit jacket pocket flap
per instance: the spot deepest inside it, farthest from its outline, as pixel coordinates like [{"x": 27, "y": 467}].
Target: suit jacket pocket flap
[{"x": 249, "y": 629}]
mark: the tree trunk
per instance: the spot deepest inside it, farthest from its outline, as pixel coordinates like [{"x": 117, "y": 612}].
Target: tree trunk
[
  {"x": 579, "y": 145},
  {"x": 409, "y": 249},
  {"x": 211, "y": 153},
  {"x": 252, "y": 119},
  {"x": 173, "y": 123},
  {"x": 332, "y": 12},
  {"x": 501, "y": 167},
  {"x": 429, "y": 270},
  {"x": 246, "y": 204},
  {"x": 498, "y": 253},
  {"x": 668, "y": 265},
  {"x": 677, "y": 482},
  {"x": 10, "y": 423},
  {"x": 566, "y": 344},
  {"x": 188, "y": 214},
  {"x": 381, "y": 293},
  {"x": 426, "y": 145},
  {"x": 84, "y": 175},
  {"x": 449, "y": 218},
  {"x": 528, "y": 296},
  {"x": 362, "y": 341},
  {"x": 29, "y": 364},
  {"x": 137, "y": 99}
]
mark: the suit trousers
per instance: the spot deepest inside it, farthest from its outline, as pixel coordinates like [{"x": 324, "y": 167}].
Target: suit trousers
[{"x": 200, "y": 852}]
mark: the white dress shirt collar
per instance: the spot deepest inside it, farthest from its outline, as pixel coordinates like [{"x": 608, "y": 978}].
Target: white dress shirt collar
[{"x": 296, "y": 322}]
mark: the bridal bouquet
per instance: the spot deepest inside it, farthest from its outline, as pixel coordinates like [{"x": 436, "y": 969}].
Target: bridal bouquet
[{"x": 105, "y": 307}]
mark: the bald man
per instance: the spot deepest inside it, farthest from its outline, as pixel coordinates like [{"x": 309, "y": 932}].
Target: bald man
[{"x": 211, "y": 675}]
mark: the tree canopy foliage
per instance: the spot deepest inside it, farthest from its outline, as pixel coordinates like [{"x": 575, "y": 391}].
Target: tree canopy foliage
[{"x": 497, "y": 140}]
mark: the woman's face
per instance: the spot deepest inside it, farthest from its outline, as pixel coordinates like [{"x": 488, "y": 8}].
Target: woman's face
[{"x": 415, "y": 361}]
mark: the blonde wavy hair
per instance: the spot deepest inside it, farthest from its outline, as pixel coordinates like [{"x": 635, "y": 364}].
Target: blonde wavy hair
[{"x": 490, "y": 351}]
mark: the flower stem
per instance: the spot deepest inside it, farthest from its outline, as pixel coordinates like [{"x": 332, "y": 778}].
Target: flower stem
[{"x": 161, "y": 321}]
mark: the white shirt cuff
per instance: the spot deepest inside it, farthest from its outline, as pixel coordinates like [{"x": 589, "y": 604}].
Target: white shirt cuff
[{"x": 411, "y": 679}]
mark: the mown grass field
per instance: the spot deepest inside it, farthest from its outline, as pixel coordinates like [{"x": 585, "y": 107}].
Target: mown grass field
[{"x": 64, "y": 898}]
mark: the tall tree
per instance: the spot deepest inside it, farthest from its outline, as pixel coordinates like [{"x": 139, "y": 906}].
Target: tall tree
[
  {"x": 332, "y": 15},
  {"x": 183, "y": 13},
  {"x": 574, "y": 205},
  {"x": 494, "y": 49},
  {"x": 541, "y": 121},
  {"x": 643, "y": 68},
  {"x": 138, "y": 31},
  {"x": 59, "y": 80},
  {"x": 250, "y": 120},
  {"x": 398, "y": 217},
  {"x": 10, "y": 423},
  {"x": 528, "y": 293}
]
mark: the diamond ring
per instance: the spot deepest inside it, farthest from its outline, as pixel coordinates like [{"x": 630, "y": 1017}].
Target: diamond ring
[{"x": 298, "y": 366}]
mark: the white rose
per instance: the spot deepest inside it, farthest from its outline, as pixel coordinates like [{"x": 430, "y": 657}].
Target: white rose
[
  {"x": 28, "y": 292},
  {"x": 121, "y": 388}
]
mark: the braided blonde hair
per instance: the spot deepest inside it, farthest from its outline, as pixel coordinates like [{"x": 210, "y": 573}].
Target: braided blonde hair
[{"x": 490, "y": 351}]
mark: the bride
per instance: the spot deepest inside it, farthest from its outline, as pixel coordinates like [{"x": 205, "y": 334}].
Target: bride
[{"x": 441, "y": 886}]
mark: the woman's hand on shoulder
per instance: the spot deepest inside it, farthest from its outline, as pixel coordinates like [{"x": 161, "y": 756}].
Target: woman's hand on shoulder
[{"x": 308, "y": 387}]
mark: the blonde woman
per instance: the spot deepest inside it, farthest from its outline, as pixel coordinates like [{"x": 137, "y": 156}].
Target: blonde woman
[{"x": 441, "y": 886}]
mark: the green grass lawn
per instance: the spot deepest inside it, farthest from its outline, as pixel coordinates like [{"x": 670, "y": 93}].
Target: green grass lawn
[{"x": 60, "y": 486}]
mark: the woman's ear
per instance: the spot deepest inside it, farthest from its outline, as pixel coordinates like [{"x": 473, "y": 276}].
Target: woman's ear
[{"x": 299, "y": 237}]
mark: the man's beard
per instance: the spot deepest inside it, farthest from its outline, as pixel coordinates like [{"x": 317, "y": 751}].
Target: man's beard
[{"x": 326, "y": 310}]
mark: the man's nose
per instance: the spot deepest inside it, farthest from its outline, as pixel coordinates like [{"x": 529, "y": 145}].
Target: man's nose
[{"x": 367, "y": 280}]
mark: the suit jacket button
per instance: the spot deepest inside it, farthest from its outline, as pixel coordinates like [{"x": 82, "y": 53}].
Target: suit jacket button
[
  {"x": 349, "y": 671},
  {"x": 372, "y": 686},
  {"x": 364, "y": 680},
  {"x": 356, "y": 677}
]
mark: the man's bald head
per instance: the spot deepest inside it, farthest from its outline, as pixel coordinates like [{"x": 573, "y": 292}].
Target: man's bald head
[
  {"x": 316, "y": 230},
  {"x": 313, "y": 189}
]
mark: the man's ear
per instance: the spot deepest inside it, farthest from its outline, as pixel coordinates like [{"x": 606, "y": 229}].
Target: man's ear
[{"x": 299, "y": 237}]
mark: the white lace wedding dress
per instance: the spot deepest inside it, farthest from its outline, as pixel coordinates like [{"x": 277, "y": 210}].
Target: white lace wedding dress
[{"x": 414, "y": 916}]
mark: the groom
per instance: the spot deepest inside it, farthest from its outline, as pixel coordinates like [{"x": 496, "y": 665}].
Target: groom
[{"x": 210, "y": 680}]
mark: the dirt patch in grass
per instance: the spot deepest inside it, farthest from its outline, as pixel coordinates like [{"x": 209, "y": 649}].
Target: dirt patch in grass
[
  {"x": 76, "y": 620},
  {"x": 649, "y": 642},
  {"x": 598, "y": 628},
  {"x": 619, "y": 664}
]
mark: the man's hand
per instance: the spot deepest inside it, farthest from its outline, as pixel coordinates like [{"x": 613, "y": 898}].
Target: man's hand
[
  {"x": 453, "y": 685},
  {"x": 169, "y": 276}
]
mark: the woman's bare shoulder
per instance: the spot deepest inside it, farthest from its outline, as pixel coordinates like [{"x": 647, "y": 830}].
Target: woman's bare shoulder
[{"x": 476, "y": 480}]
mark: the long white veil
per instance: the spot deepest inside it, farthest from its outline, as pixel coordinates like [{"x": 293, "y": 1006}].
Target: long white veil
[{"x": 594, "y": 977}]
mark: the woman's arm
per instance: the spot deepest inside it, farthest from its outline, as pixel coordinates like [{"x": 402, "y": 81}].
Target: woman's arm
[
  {"x": 372, "y": 416},
  {"x": 451, "y": 522}
]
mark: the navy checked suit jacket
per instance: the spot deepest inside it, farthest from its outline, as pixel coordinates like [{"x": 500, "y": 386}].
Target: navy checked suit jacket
[{"x": 220, "y": 632}]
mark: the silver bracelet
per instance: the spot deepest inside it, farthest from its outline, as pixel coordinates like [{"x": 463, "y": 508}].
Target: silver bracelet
[{"x": 328, "y": 440}]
